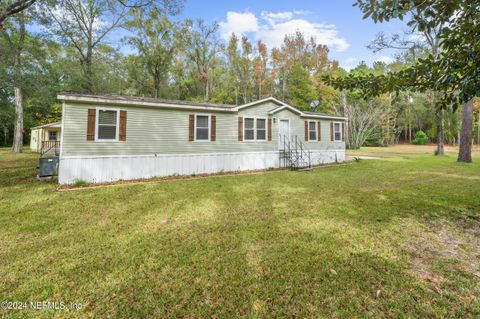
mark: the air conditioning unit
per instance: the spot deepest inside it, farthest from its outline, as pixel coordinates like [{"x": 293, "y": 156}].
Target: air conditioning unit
[{"x": 48, "y": 166}]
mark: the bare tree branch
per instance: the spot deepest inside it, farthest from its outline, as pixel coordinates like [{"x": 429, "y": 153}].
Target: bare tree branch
[{"x": 14, "y": 8}]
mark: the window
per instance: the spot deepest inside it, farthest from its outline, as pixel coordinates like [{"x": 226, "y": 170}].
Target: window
[
  {"x": 202, "y": 128},
  {"x": 52, "y": 135},
  {"x": 338, "y": 132},
  {"x": 249, "y": 129},
  {"x": 255, "y": 129},
  {"x": 312, "y": 131},
  {"x": 107, "y": 125},
  {"x": 261, "y": 129}
]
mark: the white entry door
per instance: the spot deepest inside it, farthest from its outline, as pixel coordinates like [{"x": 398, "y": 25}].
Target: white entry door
[{"x": 283, "y": 133}]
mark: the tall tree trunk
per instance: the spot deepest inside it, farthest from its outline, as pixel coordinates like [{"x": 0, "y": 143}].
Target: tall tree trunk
[
  {"x": 88, "y": 84},
  {"x": 88, "y": 74},
  {"x": 409, "y": 131},
  {"x": 259, "y": 89},
  {"x": 440, "y": 145},
  {"x": 207, "y": 93},
  {"x": 478, "y": 129},
  {"x": 465, "y": 151},
  {"x": 17, "y": 146},
  {"x": 156, "y": 84}
]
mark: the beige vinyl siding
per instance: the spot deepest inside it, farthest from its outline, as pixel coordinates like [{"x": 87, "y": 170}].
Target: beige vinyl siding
[
  {"x": 165, "y": 131},
  {"x": 297, "y": 128},
  {"x": 35, "y": 139},
  {"x": 153, "y": 131},
  {"x": 258, "y": 110}
]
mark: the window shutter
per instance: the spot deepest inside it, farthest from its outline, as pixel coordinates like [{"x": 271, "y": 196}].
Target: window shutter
[
  {"x": 213, "y": 129},
  {"x": 319, "y": 136},
  {"x": 191, "y": 127},
  {"x": 269, "y": 129},
  {"x": 331, "y": 131},
  {"x": 240, "y": 128},
  {"x": 122, "y": 135},
  {"x": 343, "y": 132},
  {"x": 306, "y": 131},
  {"x": 91, "y": 124}
]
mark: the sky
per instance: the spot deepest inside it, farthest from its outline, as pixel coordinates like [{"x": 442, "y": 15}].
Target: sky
[{"x": 337, "y": 24}]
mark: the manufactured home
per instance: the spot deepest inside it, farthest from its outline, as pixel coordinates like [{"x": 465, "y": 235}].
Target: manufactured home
[{"x": 109, "y": 137}]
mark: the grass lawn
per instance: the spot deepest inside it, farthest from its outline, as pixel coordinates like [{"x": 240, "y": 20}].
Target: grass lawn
[{"x": 396, "y": 237}]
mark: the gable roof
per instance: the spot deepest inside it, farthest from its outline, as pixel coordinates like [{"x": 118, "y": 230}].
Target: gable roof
[
  {"x": 154, "y": 102},
  {"x": 268, "y": 99},
  {"x": 283, "y": 106}
]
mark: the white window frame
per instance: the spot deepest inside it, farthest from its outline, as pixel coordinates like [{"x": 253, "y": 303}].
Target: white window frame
[
  {"x": 316, "y": 131},
  {"x": 209, "y": 121},
  {"x": 117, "y": 129},
  {"x": 340, "y": 130},
  {"x": 255, "y": 128}
]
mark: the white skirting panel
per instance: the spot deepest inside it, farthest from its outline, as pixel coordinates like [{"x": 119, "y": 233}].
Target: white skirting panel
[
  {"x": 97, "y": 169},
  {"x": 327, "y": 156}
]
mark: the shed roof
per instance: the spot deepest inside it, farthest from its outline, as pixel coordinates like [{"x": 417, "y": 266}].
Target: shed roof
[{"x": 52, "y": 125}]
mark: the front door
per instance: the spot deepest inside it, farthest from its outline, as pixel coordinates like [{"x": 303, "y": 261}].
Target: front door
[{"x": 283, "y": 133}]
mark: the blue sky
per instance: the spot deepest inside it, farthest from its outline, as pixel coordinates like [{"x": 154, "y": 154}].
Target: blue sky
[{"x": 336, "y": 23}]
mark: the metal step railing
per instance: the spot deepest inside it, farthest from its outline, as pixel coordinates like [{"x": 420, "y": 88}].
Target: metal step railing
[{"x": 294, "y": 154}]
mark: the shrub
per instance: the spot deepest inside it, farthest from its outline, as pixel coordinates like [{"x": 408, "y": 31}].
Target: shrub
[
  {"x": 80, "y": 183},
  {"x": 420, "y": 138}
]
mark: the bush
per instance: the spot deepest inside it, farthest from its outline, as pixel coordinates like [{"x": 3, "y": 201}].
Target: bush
[
  {"x": 80, "y": 183},
  {"x": 420, "y": 138}
]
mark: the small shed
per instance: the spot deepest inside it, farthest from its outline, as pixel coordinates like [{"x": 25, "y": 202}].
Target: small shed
[{"x": 45, "y": 137}]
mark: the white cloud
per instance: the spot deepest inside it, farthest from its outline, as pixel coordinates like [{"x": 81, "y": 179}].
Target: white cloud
[
  {"x": 238, "y": 23},
  {"x": 385, "y": 59},
  {"x": 274, "y": 34},
  {"x": 350, "y": 63},
  {"x": 275, "y": 25},
  {"x": 417, "y": 36},
  {"x": 273, "y": 17}
]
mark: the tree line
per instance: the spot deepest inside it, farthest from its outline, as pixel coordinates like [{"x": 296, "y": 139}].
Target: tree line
[{"x": 66, "y": 45}]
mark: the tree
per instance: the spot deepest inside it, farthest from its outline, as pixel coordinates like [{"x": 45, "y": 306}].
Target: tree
[
  {"x": 363, "y": 118},
  {"x": 454, "y": 73},
  {"x": 14, "y": 36},
  {"x": 202, "y": 46},
  {"x": 154, "y": 42},
  {"x": 301, "y": 92},
  {"x": 261, "y": 62},
  {"x": 242, "y": 67},
  {"x": 413, "y": 44},
  {"x": 85, "y": 24},
  {"x": 11, "y": 8}
]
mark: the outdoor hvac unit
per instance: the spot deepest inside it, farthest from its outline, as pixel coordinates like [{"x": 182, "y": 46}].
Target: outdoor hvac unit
[{"x": 48, "y": 166}]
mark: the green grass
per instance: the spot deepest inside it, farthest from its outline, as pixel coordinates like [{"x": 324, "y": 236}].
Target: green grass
[{"x": 396, "y": 237}]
